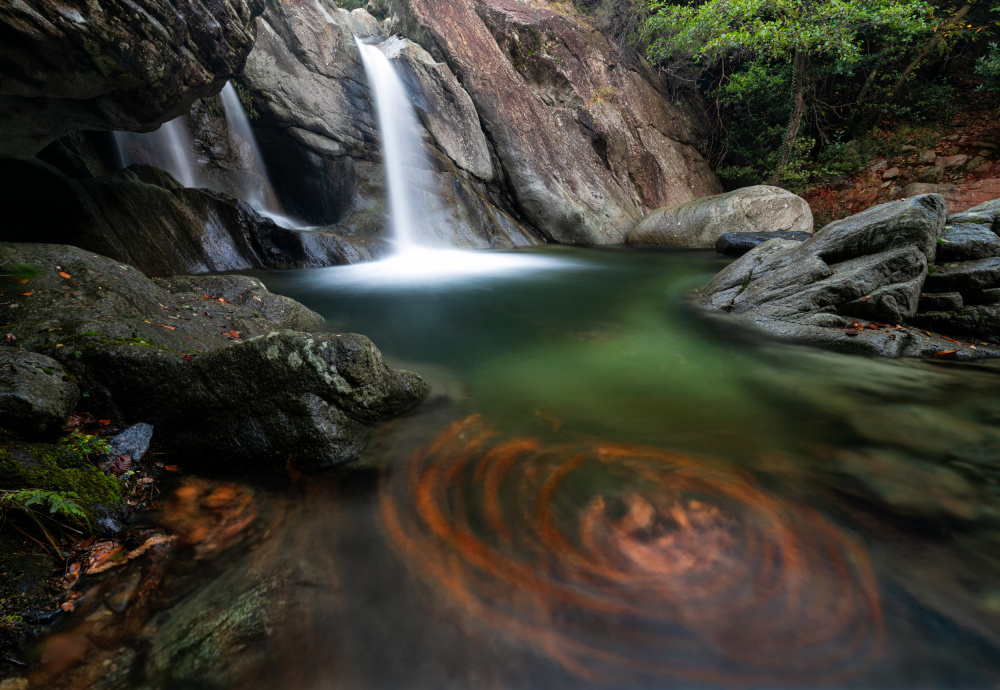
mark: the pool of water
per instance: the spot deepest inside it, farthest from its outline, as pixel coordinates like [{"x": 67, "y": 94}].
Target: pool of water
[{"x": 606, "y": 489}]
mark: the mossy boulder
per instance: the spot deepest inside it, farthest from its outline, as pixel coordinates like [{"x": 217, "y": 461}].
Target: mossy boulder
[
  {"x": 59, "y": 466},
  {"x": 36, "y": 394},
  {"x": 197, "y": 364}
]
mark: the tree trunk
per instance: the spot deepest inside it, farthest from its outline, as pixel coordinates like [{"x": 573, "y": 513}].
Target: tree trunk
[
  {"x": 798, "y": 109},
  {"x": 936, "y": 39}
]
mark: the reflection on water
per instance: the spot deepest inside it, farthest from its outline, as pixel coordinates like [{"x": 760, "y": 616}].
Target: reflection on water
[
  {"x": 603, "y": 491},
  {"x": 622, "y": 561}
]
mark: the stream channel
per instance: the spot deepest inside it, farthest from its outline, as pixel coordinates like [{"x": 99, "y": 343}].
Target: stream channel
[{"x": 607, "y": 489}]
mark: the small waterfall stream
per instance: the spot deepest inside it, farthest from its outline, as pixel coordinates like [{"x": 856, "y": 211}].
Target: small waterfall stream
[
  {"x": 401, "y": 147},
  {"x": 262, "y": 197},
  {"x": 168, "y": 148},
  {"x": 416, "y": 261}
]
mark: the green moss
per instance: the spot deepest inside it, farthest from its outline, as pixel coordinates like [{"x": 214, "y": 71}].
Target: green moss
[{"x": 62, "y": 466}]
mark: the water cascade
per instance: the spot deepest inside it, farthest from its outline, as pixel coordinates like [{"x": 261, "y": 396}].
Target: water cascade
[
  {"x": 261, "y": 194},
  {"x": 168, "y": 148},
  {"x": 404, "y": 158},
  {"x": 401, "y": 146}
]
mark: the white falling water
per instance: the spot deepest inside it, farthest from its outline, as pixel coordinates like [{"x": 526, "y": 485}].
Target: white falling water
[
  {"x": 261, "y": 196},
  {"x": 401, "y": 147},
  {"x": 405, "y": 159},
  {"x": 168, "y": 148}
]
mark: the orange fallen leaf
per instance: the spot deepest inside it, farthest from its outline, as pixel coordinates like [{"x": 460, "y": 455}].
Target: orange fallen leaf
[
  {"x": 927, "y": 333},
  {"x": 222, "y": 300},
  {"x": 104, "y": 422},
  {"x": 172, "y": 468},
  {"x": 27, "y": 294},
  {"x": 169, "y": 328},
  {"x": 951, "y": 339},
  {"x": 945, "y": 353},
  {"x": 65, "y": 275},
  {"x": 20, "y": 280}
]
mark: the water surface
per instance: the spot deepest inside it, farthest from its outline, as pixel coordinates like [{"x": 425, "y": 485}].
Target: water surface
[{"x": 605, "y": 489}]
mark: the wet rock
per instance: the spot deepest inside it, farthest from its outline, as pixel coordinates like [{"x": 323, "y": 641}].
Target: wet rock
[
  {"x": 36, "y": 394},
  {"x": 739, "y": 243},
  {"x": 870, "y": 266},
  {"x": 143, "y": 217},
  {"x": 698, "y": 224},
  {"x": 965, "y": 276},
  {"x": 113, "y": 65},
  {"x": 942, "y": 301},
  {"x": 587, "y": 150},
  {"x": 962, "y": 241},
  {"x": 988, "y": 296},
  {"x": 977, "y": 323},
  {"x": 198, "y": 369},
  {"x": 245, "y": 291},
  {"x": 988, "y": 208},
  {"x": 133, "y": 442}
]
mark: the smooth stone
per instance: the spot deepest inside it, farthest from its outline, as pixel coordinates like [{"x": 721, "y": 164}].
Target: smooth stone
[
  {"x": 133, "y": 441},
  {"x": 739, "y": 243},
  {"x": 966, "y": 241},
  {"x": 869, "y": 266},
  {"x": 698, "y": 224},
  {"x": 972, "y": 276},
  {"x": 943, "y": 301}
]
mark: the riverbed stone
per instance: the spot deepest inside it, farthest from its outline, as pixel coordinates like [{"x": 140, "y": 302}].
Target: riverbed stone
[
  {"x": 36, "y": 394},
  {"x": 962, "y": 241},
  {"x": 739, "y": 243},
  {"x": 869, "y": 266},
  {"x": 941, "y": 301},
  {"x": 965, "y": 276},
  {"x": 698, "y": 224},
  {"x": 201, "y": 370}
]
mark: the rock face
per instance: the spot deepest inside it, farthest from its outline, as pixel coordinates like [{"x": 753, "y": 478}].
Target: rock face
[
  {"x": 221, "y": 381},
  {"x": 318, "y": 130},
  {"x": 36, "y": 395},
  {"x": 113, "y": 65},
  {"x": 586, "y": 146},
  {"x": 143, "y": 217},
  {"x": 968, "y": 272},
  {"x": 871, "y": 266},
  {"x": 700, "y": 223}
]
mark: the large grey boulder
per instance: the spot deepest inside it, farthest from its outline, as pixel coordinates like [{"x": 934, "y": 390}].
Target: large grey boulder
[
  {"x": 113, "y": 65},
  {"x": 870, "y": 266},
  {"x": 222, "y": 379},
  {"x": 36, "y": 394},
  {"x": 968, "y": 236},
  {"x": 143, "y": 217},
  {"x": 700, "y": 223}
]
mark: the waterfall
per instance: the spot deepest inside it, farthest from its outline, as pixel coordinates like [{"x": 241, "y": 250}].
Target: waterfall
[
  {"x": 168, "y": 148},
  {"x": 401, "y": 144},
  {"x": 261, "y": 196},
  {"x": 415, "y": 264}
]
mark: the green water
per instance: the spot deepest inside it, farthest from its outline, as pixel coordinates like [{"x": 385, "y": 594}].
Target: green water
[{"x": 606, "y": 489}]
